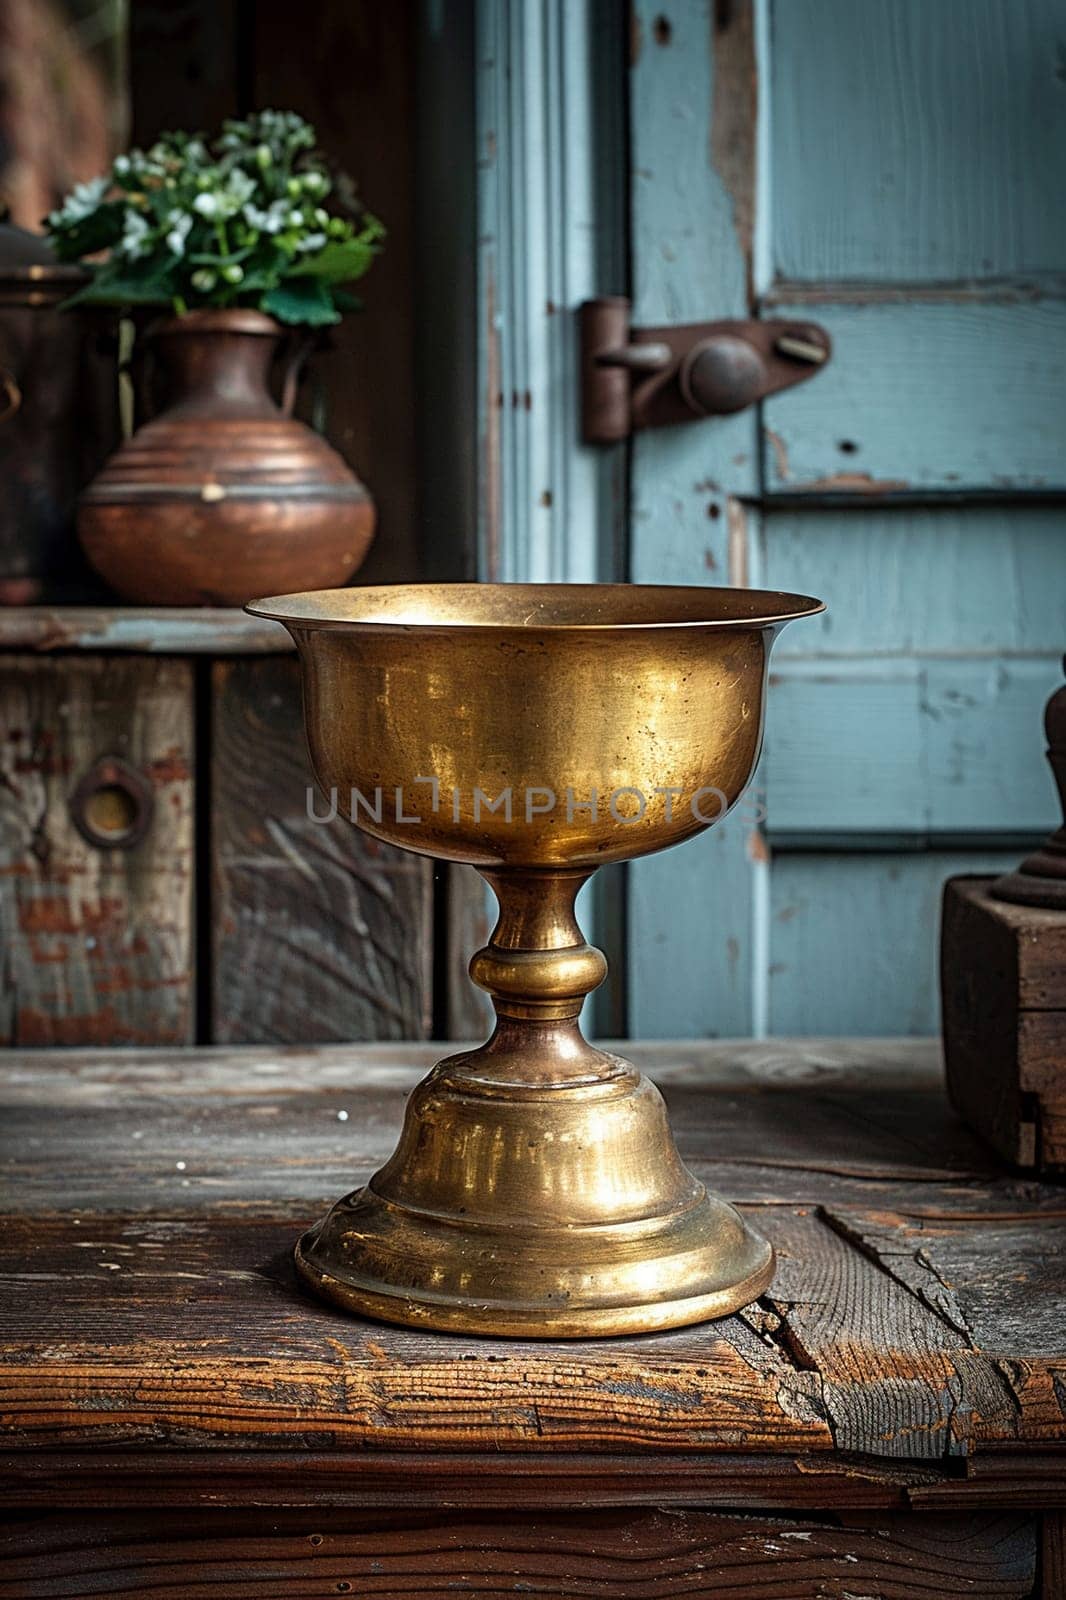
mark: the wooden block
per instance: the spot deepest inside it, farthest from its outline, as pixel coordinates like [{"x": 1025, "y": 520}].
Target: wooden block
[
  {"x": 320, "y": 932},
  {"x": 1003, "y": 983},
  {"x": 97, "y": 941}
]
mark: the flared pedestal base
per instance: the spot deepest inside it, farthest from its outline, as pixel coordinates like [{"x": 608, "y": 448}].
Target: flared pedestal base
[
  {"x": 550, "y": 1212},
  {"x": 516, "y": 1288}
]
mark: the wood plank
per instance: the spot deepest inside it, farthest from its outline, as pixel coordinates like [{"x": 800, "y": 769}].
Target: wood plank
[
  {"x": 948, "y": 1266},
  {"x": 957, "y": 580},
  {"x": 884, "y": 417},
  {"x": 140, "y": 630},
  {"x": 97, "y": 940},
  {"x": 934, "y": 100},
  {"x": 691, "y": 115},
  {"x": 1010, "y": 1312},
  {"x": 898, "y": 1377},
  {"x": 734, "y": 1109},
  {"x": 902, "y": 1067},
  {"x": 915, "y": 749},
  {"x": 469, "y": 922},
  {"x": 855, "y": 937},
  {"x": 193, "y": 1327},
  {"x": 383, "y": 1479},
  {"x": 649, "y": 1555},
  {"x": 159, "y": 1206},
  {"x": 552, "y": 187},
  {"x": 320, "y": 932},
  {"x": 1053, "y": 1556},
  {"x": 353, "y": 77}
]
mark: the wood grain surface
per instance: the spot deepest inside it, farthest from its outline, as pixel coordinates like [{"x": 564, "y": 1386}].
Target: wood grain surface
[
  {"x": 1003, "y": 978},
  {"x": 320, "y": 932},
  {"x": 649, "y": 1555},
  {"x": 97, "y": 942},
  {"x": 933, "y": 181},
  {"x": 915, "y": 1315}
]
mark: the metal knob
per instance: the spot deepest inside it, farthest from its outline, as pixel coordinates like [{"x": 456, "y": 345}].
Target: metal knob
[{"x": 722, "y": 374}]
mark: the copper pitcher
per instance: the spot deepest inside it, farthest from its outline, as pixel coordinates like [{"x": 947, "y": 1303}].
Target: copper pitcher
[{"x": 224, "y": 494}]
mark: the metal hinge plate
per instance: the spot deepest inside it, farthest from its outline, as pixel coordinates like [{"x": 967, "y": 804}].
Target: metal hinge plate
[{"x": 654, "y": 377}]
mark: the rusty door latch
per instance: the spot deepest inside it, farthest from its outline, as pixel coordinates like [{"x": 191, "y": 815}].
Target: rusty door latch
[{"x": 653, "y": 377}]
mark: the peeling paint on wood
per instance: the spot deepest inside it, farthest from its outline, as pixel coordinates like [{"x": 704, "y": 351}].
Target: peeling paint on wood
[
  {"x": 733, "y": 118},
  {"x": 889, "y": 164},
  {"x": 691, "y": 217},
  {"x": 936, "y": 395},
  {"x": 158, "y": 631},
  {"x": 97, "y": 941}
]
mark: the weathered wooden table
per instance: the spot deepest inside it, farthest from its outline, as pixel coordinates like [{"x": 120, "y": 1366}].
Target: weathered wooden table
[{"x": 181, "y": 1419}]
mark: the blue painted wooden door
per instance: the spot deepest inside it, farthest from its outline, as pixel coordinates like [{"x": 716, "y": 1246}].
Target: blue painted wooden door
[{"x": 895, "y": 170}]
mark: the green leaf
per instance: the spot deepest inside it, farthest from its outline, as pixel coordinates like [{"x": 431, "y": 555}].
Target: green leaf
[
  {"x": 205, "y": 258},
  {"x": 301, "y": 300},
  {"x": 341, "y": 261},
  {"x": 263, "y": 277},
  {"x": 98, "y": 231},
  {"x": 116, "y": 285}
]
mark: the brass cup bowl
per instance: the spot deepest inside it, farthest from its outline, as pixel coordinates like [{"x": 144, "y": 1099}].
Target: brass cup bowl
[{"x": 535, "y": 732}]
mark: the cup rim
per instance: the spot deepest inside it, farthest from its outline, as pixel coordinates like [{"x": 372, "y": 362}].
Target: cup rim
[{"x": 766, "y": 607}]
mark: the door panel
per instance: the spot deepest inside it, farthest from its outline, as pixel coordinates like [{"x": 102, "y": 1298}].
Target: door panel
[
  {"x": 918, "y": 749},
  {"x": 953, "y": 170},
  {"x": 925, "y": 394},
  {"x": 895, "y": 177},
  {"x": 853, "y": 938},
  {"x": 955, "y": 578}
]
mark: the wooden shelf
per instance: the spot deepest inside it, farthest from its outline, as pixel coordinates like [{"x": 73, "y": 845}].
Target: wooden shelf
[{"x": 140, "y": 630}]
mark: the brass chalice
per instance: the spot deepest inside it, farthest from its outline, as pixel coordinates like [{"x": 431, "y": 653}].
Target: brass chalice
[{"x": 535, "y": 731}]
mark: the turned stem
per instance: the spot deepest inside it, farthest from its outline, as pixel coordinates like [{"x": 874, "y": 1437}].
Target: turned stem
[
  {"x": 537, "y": 964},
  {"x": 537, "y": 968}
]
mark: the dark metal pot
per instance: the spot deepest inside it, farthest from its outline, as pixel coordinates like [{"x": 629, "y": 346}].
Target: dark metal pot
[{"x": 58, "y": 419}]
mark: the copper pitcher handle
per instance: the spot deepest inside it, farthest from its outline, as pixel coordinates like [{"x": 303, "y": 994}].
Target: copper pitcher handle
[{"x": 294, "y": 355}]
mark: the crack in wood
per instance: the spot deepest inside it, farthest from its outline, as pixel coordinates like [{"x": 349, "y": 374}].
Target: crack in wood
[{"x": 942, "y": 1302}]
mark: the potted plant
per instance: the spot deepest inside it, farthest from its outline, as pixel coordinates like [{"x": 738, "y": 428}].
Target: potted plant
[{"x": 223, "y": 495}]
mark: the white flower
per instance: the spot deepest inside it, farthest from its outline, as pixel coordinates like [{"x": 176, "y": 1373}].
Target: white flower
[
  {"x": 135, "y": 231},
  {"x": 122, "y": 165},
  {"x": 83, "y": 200},
  {"x": 240, "y": 186},
  {"x": 311, "y": 241},
  {"x": 180, "y": 223},
  {"x": 272, "y": 220},
  {"x": 228, "y": 198}
]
